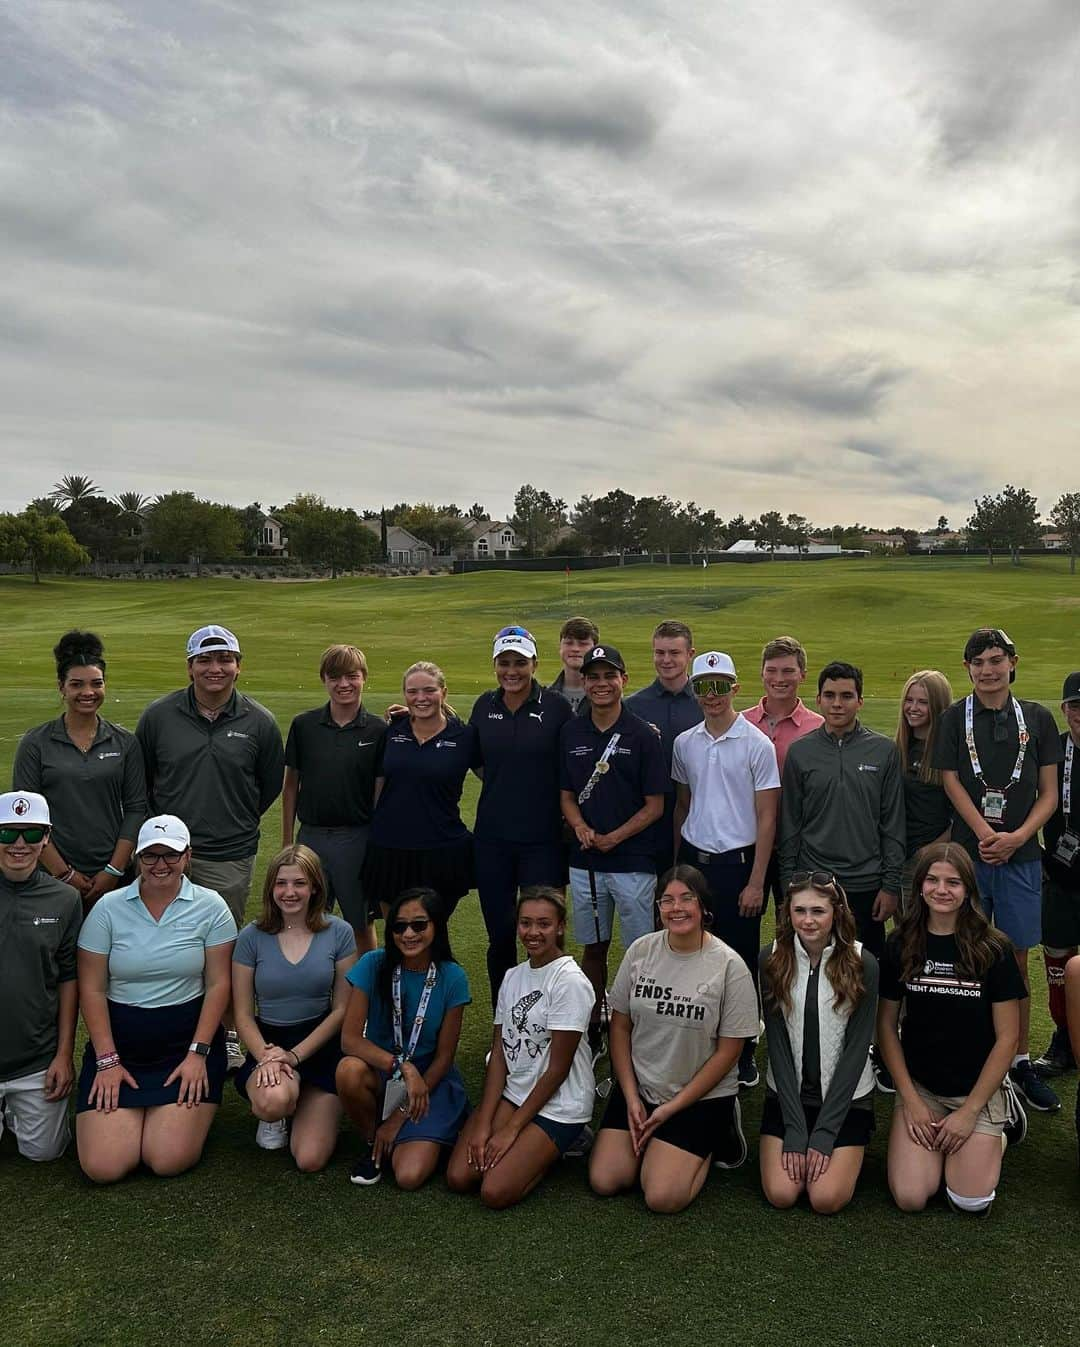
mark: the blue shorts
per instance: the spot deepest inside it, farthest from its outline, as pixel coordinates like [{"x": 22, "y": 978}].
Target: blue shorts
[
  {"x": 562, "y": 1134},
  {"x": 1011, "y": 896},
  {"x": 631, "y": 895}
]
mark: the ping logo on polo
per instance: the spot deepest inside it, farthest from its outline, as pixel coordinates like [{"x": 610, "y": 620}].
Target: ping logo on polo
[
  {"x": 20, "y": 807},
  {"x": 46, "y": 921},
  {"x": 107, "y": 755},
  {"x": 236, "y": 734},
  {"x": 867, "y": 767}
]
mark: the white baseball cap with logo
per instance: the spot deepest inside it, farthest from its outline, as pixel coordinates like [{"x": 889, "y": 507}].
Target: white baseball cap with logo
[
  {"x": 713, "y": 664},
  {"x": 164, "y": 830},
  {"x": 24, "y": 806},
  {"x": 515, "y": 639},
  {"x": 208, "y": 639}
]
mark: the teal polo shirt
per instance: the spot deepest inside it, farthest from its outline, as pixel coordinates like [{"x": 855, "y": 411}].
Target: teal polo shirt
[{"x": 157, "y": 963}]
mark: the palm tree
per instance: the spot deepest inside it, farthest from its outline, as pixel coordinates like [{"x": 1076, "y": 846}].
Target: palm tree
[
  {"x": 73, "y": 490},
  {"x": 136, "y": 507}
]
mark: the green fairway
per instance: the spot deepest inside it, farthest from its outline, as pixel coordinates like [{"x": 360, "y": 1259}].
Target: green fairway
[{"x": 245, "y": 1250}]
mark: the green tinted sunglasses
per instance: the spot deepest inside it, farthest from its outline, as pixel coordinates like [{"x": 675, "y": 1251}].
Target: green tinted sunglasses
[
  {"x": 712, "y": 687},
  {"x": 32, "y": 833}
]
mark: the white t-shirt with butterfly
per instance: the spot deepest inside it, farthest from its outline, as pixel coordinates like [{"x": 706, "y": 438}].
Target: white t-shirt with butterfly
[{"x": 533, "y": 1002}]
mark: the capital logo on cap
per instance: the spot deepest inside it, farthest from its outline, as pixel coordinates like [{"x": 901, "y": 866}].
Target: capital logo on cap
[
  {"x": 20, "y": 807},
  {"x": 598, "y": 653}
]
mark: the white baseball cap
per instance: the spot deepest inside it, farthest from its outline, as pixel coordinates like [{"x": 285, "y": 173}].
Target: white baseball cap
[
  {"x": 24, "y": 806},
  {"x": 165, "y": 829},
  {"x": 713, "y": 664},
  {"x": 208, "y": 639},
  {"x": 514, "y": 638}
]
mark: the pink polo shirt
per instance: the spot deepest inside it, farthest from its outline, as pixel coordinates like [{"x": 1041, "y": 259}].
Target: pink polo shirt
[{"x": 785, "y": 731}]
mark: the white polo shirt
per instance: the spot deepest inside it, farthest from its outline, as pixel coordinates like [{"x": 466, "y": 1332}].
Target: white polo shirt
[{"x": 723, "y": 775}]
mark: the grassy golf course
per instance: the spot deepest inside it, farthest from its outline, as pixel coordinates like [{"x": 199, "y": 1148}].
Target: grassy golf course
[{"x": 245, "y": 1250}]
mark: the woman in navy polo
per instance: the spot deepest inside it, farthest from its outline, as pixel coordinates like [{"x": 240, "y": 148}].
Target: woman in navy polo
[
  {"x": 518, "y": 831},
  {"x": 417, "y": 837}
]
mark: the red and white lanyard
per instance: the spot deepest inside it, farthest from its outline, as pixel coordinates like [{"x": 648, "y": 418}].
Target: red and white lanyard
[{"x": 969, "y": 735}]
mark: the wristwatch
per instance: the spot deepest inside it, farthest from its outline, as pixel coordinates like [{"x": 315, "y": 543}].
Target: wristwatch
[{"x": 203, "y": 1049}]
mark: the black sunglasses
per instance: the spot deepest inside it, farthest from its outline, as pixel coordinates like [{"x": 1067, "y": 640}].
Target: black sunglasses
[
  {"x": 31, "y": 834},
  {"x": 418, "y": 924},
  {"x": 814, "y": 879}
]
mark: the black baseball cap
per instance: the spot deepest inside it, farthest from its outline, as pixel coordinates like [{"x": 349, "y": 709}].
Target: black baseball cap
[
  {"x": 603, "y": 654},
  {"x": 1070, "y": 689}
]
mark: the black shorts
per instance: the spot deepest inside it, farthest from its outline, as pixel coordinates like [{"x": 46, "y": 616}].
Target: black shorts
[
  {"x": 1060, "y": 913},
  {"x": 694, "y": 1129},
  {"x": 856, "y": 1130}
]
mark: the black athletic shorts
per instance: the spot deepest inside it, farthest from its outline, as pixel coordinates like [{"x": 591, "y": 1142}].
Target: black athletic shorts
[
  {"x": 1060, "y": 914},
  {"x": 856, "y": 1130},
  {"x": 696, "y": 1129}
]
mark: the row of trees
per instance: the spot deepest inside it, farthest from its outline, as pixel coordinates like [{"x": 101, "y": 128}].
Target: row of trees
[{"x": 1010, "y": 520}]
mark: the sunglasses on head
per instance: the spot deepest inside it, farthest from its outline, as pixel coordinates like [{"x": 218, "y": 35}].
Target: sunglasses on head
[
  {"x": 418, "y": 924},
  {"x": 512, "y": 631},
  {"x": 712, "y": 687},
  {"x": 32, "y": 834},
  {"x": 814, "y": 879}
]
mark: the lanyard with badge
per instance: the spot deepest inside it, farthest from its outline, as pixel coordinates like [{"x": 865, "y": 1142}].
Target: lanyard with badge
[
  {"x": 598, "y": 771},
  {"x": 993, "y": 803},
  {"x": 1068, "y": 844},
  {"x": 397, "y": 1092}
]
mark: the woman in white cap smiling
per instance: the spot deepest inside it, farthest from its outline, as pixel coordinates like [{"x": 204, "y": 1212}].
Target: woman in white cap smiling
[
  {"x": 154, "y": 981},
  {"x": 518, "y": 833}
]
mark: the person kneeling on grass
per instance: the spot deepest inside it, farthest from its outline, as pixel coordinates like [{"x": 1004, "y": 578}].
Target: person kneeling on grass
[
  {"x": 957, "y": 980},
  {"x": 682, "y": 1005},
  {"x": 398, "y": 1082},
  {"x": 539, "y": 1087},
  {"x": 293, "y": 961},
  {"x": 819, "y": 988}
]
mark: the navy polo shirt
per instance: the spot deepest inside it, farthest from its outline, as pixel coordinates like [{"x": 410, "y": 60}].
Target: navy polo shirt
[
  {"x": 337, "y": 764},
  {"x": 636, "y": 769},
  {"x": 418, "y": 808},
  {"x": 670, "y": 712},
  {"x": 519, "y": 753}
]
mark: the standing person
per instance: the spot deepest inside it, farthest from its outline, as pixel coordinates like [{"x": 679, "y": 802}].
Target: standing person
[
  {"x": 960, "y": 989},
  {"x": 1061, "y": 886},
  {"x": 781, "y": 715},
  {"x": 669, "y": 705},
  {"x": 400, "y": 1036},
  {"x": 39, "y": 1006},
  {"x": 998, "y": 758},
  {"x": 289, "y": 994},
  {"x": 214, "y": 758},
  {"x": 927, "y": 810},
  {"x": 576, "y": 639},
  {"x": 728, "y": 786},
  {"x": 536, "y": 1102},
  {"x": 682, "y": 1005},
  {"x": 518, "y": 835},
  {"x": 154, "y": 962},
  {"x": 89, "y": 770},
  {"x": 819, "y": 1106},
  {"x": 333, "y": 757},
  {"x": 612, "y": 782},
  {"x": 418, "y": 839},
  {"x": 842, "y": 805}
]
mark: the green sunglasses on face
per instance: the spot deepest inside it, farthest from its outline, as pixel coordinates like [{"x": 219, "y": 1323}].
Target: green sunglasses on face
[
  {"x": 31, "y": 834},
  {"x": 712, "y": 687}
]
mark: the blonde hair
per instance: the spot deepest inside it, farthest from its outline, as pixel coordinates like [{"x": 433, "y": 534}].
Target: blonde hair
[
  {"x": 342, "y": 659},
  {"x": 939, "y": 695},
  {"x": 433, "y": 671}
]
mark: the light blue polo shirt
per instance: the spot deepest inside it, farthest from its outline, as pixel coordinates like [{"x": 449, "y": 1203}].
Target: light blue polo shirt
[{"x": 157, "y": 963}]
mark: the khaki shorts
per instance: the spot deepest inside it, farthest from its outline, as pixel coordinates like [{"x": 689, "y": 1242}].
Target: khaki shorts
[
  {"x": 232, "y": 879},
  {"x": 991, "y": 1120}
]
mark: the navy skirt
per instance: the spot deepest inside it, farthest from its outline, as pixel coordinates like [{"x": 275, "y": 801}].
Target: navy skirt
[
  {"x": 318, "y": 1069},
  {"x": 389, "y": 871},
  {"x": 152, "y": 1043}
]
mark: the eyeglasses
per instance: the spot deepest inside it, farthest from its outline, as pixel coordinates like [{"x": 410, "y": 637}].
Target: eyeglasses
[
  {"x": 31, "y": 834},
  {"x": 712, "y": 687},
  {"x": 418, "y": 924},
  {"x": 156, "y": 857},
  {"x": 669, "y": 900}
]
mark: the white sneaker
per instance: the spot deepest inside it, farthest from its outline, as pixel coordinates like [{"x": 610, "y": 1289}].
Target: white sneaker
[
  {"x": 273, "y": 1136},
  {"x": 235, "y": 1056}
]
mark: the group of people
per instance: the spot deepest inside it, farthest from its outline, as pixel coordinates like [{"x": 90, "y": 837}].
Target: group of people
[{"x": 126, "y": 862}]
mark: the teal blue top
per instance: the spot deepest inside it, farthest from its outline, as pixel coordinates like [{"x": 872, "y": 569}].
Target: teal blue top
[{"x": 157, "y": 963}]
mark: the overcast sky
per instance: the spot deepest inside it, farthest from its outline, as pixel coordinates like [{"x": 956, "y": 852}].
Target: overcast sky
[{"x": 817, "y": 257}]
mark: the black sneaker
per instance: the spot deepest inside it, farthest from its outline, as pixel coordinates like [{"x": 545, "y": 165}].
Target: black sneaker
[
  {"x": 581, "y": 1145},
  {"x": 749, "y": 1075},
  {"x": 882, "y": 1075},
  {"x": 365, "y": 1172},
  {"x": 1058, "y": 1058},
  {"x": 1032, "y": 1088},
  {"x": 1016, "y": 1126},
  {"x": 731, "y": 1149}
]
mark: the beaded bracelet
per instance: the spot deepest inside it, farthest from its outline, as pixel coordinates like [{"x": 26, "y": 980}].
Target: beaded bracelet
[
  {"x": 109, "y": 1060},
  {"x": 65, "y": 878}
]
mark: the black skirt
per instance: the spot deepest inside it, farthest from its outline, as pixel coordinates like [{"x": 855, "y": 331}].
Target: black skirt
[
  {"x": 152, "y": 1043},
  {"x": 389, "y": 871},
  {"x": 318, "y": 1069}
]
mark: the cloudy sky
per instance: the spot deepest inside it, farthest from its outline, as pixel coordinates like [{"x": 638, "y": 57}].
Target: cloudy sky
[{"x": 821, "y": 257}]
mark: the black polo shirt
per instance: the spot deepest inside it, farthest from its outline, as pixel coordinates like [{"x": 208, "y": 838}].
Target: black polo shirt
[
  {"x": 997, "y": 761},
  {"x": 670, "y": 712},
  {"x": 637, "y": 769},
  {"x": 927, "y": 809},
  {"x": 418, "y": 809},
  {"x": 519, "y": 753},
  {"x": 337, "y": 764},
  {"x": 1068, "y": 876}
]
